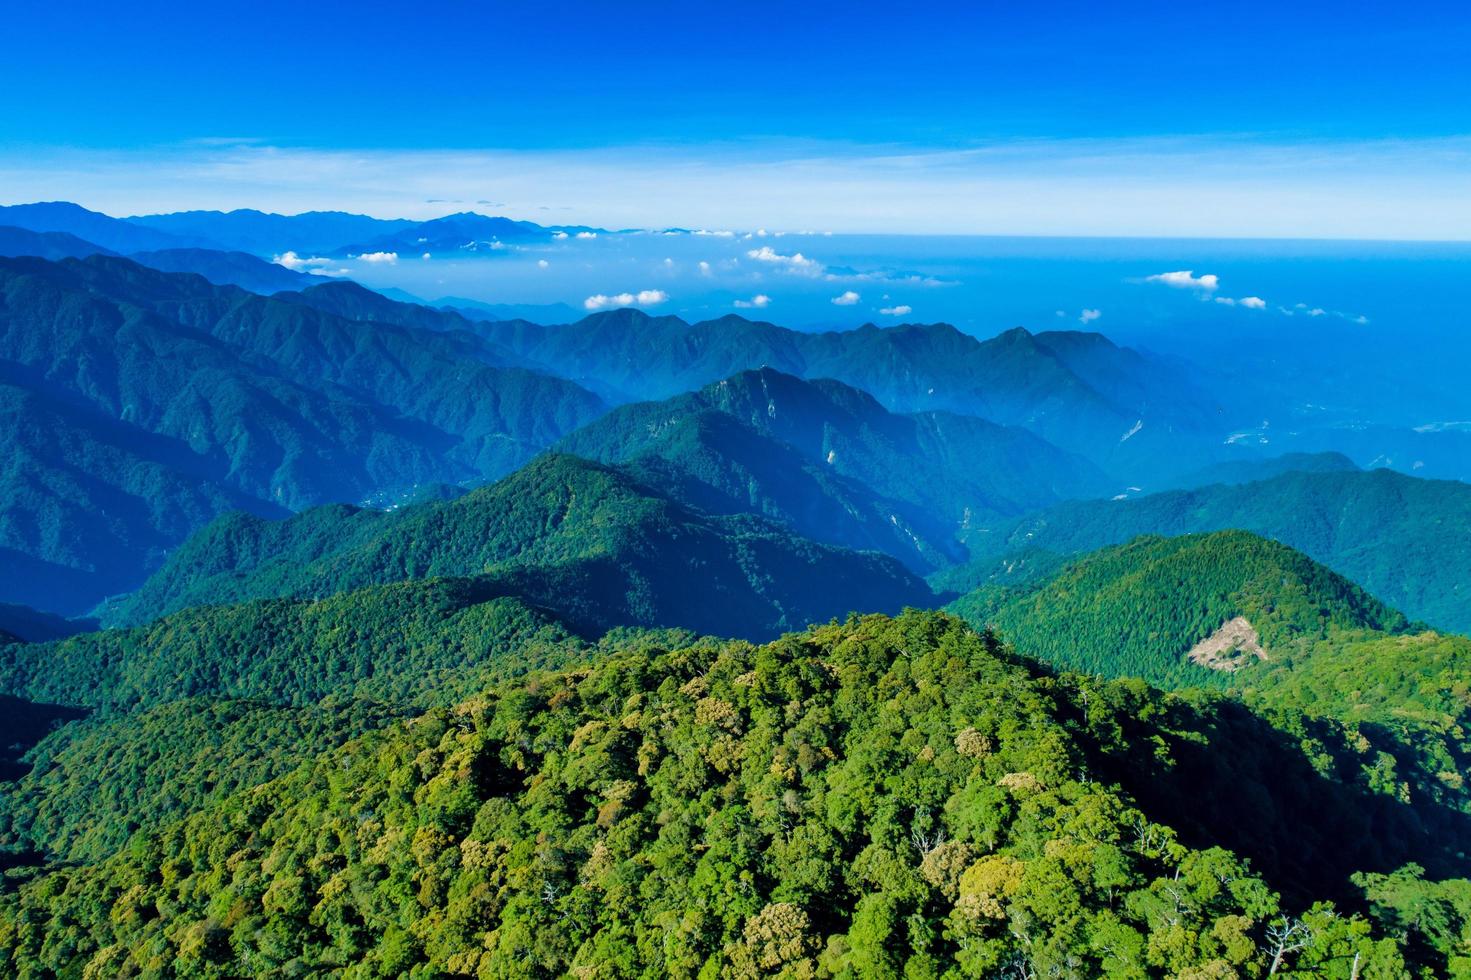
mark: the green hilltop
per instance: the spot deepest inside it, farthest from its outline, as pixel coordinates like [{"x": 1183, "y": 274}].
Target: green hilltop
[
  {"x": 585, "y": 540},
  {"x": 1404, "y": 539},
  {"x": 879, "y": 798}
]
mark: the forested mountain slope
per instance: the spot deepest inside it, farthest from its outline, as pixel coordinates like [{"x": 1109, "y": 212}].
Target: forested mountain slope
[
  {"x": 834, "y": 464},
  {"x": 142, "y": 404},
  {"x": 1234, "y": 611},
  {"x": 1139, "y": 609},
  {"x": 1403, "y": 539},
  {"x": 586, "y": 540}
]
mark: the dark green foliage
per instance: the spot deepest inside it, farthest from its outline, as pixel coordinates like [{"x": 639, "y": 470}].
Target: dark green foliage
[
  {"x": 92, "y": 783},
  {"x": 1434, "y": 917},
  {"x": 24, "y": 723},
  {"x": 882, "y": 798},
  {"x": 1403, "y": 539},
  {"x": 577, "y": 537},
  {"x": 415, "y": 642},
  {"x": 1136, "y": 610},
  {"x": 834, "y": 464}
]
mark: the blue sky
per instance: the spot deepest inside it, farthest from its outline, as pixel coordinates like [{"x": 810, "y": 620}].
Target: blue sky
[{"x": 1341, "y": 120}]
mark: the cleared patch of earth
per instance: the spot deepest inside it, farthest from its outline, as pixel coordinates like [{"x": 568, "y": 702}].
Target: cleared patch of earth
[{"x": 1229, "y": 648}]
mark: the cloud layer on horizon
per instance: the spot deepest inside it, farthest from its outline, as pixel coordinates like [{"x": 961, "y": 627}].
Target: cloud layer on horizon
[{"x": 1219, "y": 186}]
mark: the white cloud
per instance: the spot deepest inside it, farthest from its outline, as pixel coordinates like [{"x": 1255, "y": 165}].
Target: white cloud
[
  {"x": 426, "y": 256},
  {"x": 716, "y": 234},
  {"x": 1250, "y": 302},
  {"x": 644, "y": 297},
  {"x": 1088, "y": 316},
  {"x": 378, "y": 258},
  {"x": 559, "y": 235},
  {"x": 797, "y": 262},
  {"x": 1186, "y": 279},
  {"x": 760, "y": 301},
  {"x": 332, "y": 273},
  {"x": 298, "y": 263},
  {"x": 542, "y": 264},
  {"x": 897, "y": 310},
  {"x": 668, "y": 263},
  {"x": 585, "y": 234},
  {"x": 704, "y": 268},
  {"x": 849, "y": 298}
]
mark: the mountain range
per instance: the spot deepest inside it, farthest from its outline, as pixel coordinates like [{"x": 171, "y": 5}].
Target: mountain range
[
  {"x": 831, "y": 462},
  {"x": 267, "y": 235},
  {"x": 1135, "y": 415},
  {"x": 434, "y": 643},
  {"x": 584, "y": 540},
  {"x": 180, "y": 400},
  {"x": 1402, "y": 538}
]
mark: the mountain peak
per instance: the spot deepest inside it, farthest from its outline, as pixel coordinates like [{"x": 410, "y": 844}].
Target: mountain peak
[{"x": 1014, "y": 335}]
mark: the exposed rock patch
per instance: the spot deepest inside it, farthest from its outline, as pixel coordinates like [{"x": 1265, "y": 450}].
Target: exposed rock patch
[{"x": 1229, "y": 648}]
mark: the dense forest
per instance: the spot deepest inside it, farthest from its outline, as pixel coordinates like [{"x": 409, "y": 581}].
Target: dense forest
[
  {"x": 880, "y": 797},
  {"x": 343, "y": 635},
  {"x": 1135, "y": 610}
]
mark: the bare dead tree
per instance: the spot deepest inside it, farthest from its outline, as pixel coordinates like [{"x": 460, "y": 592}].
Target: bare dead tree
[{"x": 1286, "y": 936}]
